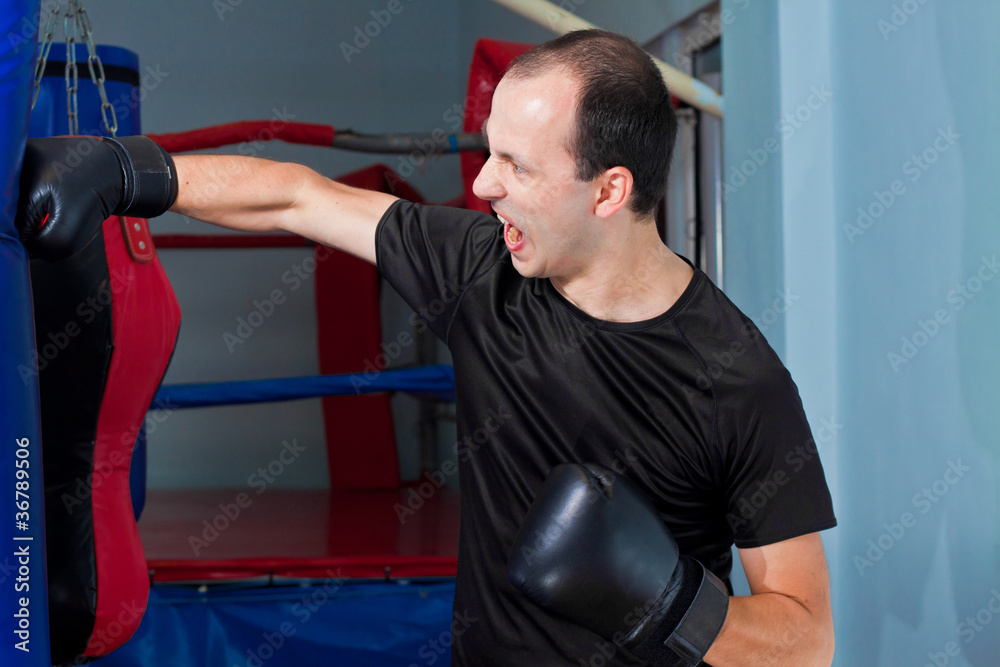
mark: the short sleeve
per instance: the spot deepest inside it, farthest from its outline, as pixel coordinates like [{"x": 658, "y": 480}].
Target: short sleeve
[
  {"x": 776, "y": 488},
  {"x": 432, "y": 254}
]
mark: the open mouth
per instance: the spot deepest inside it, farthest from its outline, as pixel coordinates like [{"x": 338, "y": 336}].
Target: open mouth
[{"x": 513, "y": 236}]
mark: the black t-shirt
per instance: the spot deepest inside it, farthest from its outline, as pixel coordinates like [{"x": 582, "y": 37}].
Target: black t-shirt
[{"x": 693, "y": 406}]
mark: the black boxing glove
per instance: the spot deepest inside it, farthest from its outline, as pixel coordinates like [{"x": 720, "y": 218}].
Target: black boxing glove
[
  {"x": 594, "y": 550},
  {"x": 70, "y": 185}
]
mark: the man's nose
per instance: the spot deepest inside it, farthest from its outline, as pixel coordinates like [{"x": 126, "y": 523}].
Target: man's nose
[{"x": 487, "y": 185}]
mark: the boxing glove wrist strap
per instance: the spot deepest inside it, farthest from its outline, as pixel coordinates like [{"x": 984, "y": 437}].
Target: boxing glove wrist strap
[
  {"x": 149, "y": 178},
  {"x": 663, "y": 641}
]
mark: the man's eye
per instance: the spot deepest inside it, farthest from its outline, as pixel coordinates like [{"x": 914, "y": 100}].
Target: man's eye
[{"x": 517, "y": 169}]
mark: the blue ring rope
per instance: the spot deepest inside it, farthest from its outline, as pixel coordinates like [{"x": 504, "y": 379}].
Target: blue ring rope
[{"x": 436, "y": 381}]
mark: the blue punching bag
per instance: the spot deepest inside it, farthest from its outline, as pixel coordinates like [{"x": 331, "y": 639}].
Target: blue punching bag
[{"x": 23, "y": 599}]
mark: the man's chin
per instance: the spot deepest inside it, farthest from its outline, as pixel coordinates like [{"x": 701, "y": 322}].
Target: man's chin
[{"x": 526, "y": 269}]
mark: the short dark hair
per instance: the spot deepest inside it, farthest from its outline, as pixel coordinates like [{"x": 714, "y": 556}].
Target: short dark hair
[{"x": 624, "y": 115}]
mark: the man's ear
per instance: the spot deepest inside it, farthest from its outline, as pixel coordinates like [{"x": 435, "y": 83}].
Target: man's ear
[{"x": 614, "y": 189}]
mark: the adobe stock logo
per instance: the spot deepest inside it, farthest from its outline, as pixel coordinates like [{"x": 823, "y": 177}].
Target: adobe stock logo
[
  {"x": 914, "y": 168},
  {"x": 924, "y": 501},
  {"x": 787, "y": 126},
  {"x": 957, "y": 298},
  {"x": 381, "y": 19},
  {"x": 899, "y": 17}
]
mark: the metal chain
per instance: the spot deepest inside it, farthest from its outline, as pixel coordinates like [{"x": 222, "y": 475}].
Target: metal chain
[
  {"x": 76, "y": 20},
  {"x": 96, "y": 68},
  {"x": 43, "y": 52},
  {"x": 69, "y": 19}
]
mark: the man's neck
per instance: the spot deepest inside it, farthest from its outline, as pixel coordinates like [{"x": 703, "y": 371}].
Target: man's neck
[{"x": 639, "y": 281}]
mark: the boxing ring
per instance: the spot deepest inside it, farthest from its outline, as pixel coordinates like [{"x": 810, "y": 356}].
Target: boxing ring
[{"x": 212, "y": 576}]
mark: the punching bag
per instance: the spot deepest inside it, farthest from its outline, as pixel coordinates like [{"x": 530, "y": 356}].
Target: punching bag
[
  {"x": 106, "y": 323},
  {"x": 23, "y": 618}
]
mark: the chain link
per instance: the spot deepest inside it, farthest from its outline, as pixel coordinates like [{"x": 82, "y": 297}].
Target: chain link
[
  {"x": 72, "y": 78},
  {"x": 96, "y": 68},
  {"x": 76, "y": 21},
  {"x": 46, "y": 46}
]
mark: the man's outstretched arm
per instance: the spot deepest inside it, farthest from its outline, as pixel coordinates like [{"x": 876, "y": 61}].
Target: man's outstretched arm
[
  {"x": 251, "y": 194},
  {"x": 69, "y": 185}
]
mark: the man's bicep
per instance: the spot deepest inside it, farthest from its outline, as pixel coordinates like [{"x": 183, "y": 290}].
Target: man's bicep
[
  {"x": 338, "y": 215},
  {"x": 795, "y": 568}
]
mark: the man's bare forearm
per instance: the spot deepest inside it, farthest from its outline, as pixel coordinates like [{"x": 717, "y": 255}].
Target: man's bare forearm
[
  {"x": 244, "y": 193},
  {"x": 772, "y": 630},
  {"x": 255, "y": 195}
]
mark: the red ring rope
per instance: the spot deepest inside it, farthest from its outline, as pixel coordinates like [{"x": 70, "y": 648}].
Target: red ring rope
[{"x": 247, "y": 130}]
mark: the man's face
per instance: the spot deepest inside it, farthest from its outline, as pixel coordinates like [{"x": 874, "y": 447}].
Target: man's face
[{"x": 530, "y": 178}]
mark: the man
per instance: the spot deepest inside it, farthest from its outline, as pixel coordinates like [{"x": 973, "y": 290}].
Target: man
[{"x": 577, "y": 337}]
